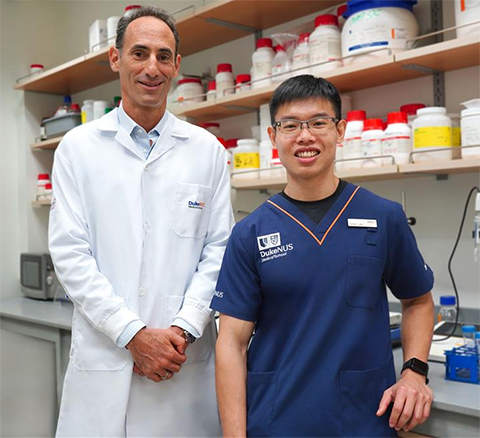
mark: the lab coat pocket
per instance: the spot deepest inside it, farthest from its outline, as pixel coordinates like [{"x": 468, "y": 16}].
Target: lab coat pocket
[
  {"x": 203, "y": 347},
  {"x": 361, "y": 392},
  {"x": 191, "y": 210},
  {"x": 94, "y": 351},
  {"x": 261, "y": 389},
  {"x": 364, "y": 280}
]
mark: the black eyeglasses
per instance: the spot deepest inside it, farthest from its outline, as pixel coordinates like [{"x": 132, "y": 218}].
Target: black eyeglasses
[{"x": 317, "y": 125}]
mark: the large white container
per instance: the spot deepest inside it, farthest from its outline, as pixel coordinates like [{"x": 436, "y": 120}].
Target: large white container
[
  {"x": 98, "y": 35},
  {"x": 99, "y": 107},
  {"x": 246, "y": 157},
  {"x": 352, "y": 143},
  {"x": 397, "y": 140},
  {"x": 467, "y": 11},
  {"x": 325, "y": 45},
  {"x": 224, "y": 80},
  {"x": 372, "y": 137},
  {"x": 369, "y": 28},
  {"x": 112, "y": 23},
  {"x": 190, "y": 90},
  {"x": 301, "y": 56},
  {"x": 470, "y": 126},
  {"x": 432, "y": 129},
  {"x": 87, "y": 111},
  {"x": 280, "y": 65},
  {"x": 262, "y": 63}
]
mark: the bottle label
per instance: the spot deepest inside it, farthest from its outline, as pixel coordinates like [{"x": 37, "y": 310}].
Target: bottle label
[
  {"x": 246, "y": 160},
  {"x": 395, "y": 144},
  {"x": 456, "y": 134},
  {"x": 352, "y": 147},
  {"x": 84, "y": 117},
  {"x": 432, "y": 136},
  {"x": 372, "y": 147}
]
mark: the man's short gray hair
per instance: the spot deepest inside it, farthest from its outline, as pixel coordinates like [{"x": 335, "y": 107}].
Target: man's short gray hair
[{"x": 146, "y": 11}]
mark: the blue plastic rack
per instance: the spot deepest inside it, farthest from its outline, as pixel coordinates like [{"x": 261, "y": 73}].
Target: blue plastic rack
[{"x": 462, "y": 365}]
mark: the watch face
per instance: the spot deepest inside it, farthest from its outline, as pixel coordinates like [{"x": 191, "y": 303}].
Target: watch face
[{"x": 418, "y": 366}]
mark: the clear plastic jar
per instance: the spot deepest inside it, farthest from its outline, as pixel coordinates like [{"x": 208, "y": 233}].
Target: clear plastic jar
[
  {"x": 325, "y": 45},
  {"x": 432, "y": 129},
  {"x": 280, "y": 65},
  {"x": 468, "y": 332},
  {"x": 190, "y": 90},
  {"x": 224, "y": 80},
  {"x": 301, "y": 56},
  {"x": 448, "y": 309}
]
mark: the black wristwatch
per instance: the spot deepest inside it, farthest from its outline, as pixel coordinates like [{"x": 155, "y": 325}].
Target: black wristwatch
[
  {"x": 189, "y": 337},
  {"x": 417, "y": 366}
]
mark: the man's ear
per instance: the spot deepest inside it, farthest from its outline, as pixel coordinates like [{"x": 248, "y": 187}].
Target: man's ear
[
  {"x": 273, "y": 135},
  {"x": 114, "y": 57}
]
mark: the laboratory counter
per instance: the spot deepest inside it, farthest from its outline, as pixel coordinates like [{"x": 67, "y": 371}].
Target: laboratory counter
[{"x": 455, "y": 409}]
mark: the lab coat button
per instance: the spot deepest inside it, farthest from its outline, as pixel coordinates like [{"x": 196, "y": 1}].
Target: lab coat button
[
  {"x": 147, "y": 168},
  {"x": 142, "y": 291}
]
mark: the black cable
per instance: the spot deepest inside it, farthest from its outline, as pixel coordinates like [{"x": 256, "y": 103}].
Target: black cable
[{"x": 450, "y": 265}]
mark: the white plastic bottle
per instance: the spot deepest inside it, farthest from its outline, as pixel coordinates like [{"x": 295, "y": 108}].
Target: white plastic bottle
[
  {"x": 466, "y": 12},
  {"x": 211, "y": 91},
  {"x": 301, "y": 56},
  {"x": 262, "y": 63},
  {"x": 190, "y": 90},
  {"x": 99, "y": 107},
  {"x": 369, "y": 28},
  {"x": 340, "y": 11},
  {"x": 243, "y": 83},
  {"x": 265, "y": 158},
  {"x": 432, "y": 129},
  {"x": 352, "y": 143},
  {"x": 280, "y": 65},
  {"x": 246, "y": 158},
  {"x": 372, "y": 138},
  {"x": 42, "y": 181},
  {"x": 325, "y": 45},
  {"x": 87, "y": 110},
  {"x": 470, "y": 128},
  {"x": 397, "y": 140},
  {"x": 224, "y": 80}
]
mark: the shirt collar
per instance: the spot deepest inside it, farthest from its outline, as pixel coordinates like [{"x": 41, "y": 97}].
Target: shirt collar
[{"x": 127, "y": 123}]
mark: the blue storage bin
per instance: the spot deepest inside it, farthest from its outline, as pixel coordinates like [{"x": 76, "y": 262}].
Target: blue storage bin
[{"x": 462, "y": 365}]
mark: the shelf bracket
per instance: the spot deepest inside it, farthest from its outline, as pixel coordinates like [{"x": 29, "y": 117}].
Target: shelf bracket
[
  {"x": 232, "y": 25},
  {"x": 436, "y": 13},
  {"x": 441, "y": 176},
  {"x": 241, "y": 108},
  {"x": 420, "y": 68}
]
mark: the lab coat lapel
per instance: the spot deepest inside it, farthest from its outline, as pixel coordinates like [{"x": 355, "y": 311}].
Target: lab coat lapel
[{"x": 124, "y": 138}]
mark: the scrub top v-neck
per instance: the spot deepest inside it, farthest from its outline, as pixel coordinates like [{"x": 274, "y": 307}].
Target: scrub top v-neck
[{"x": 321, "y": 357}]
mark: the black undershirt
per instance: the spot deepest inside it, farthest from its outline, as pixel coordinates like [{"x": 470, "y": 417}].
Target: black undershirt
[{"x": 316, "y": 210}]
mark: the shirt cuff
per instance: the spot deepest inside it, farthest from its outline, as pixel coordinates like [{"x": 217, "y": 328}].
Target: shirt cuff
[
  {"x": 130, "y": 331},
  {"x": 185, "y": 326}
]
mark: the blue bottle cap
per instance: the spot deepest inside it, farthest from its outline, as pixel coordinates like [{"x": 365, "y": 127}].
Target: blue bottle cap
[
  {"x": 477, "y": 335},
  {"x": 447, "y": 300},
  {"x": 468, "y": 329},
  {"x": 354, "y": 6},
  {"x": 67, "y": 99}
]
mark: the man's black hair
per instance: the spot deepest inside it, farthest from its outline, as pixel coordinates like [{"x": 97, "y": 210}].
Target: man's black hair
[
  {"x": 145, "y": 11},
  {"x": 305, "y": 87}
]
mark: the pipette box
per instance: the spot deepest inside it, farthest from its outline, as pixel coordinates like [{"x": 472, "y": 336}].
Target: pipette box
[{"x": 462, "y": 365}]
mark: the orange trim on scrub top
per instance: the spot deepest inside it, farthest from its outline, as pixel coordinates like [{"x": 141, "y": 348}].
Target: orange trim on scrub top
[{"x": 320, "y": 242}]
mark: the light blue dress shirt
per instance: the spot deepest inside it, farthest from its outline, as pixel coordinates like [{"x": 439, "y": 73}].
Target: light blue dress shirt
[{"x": 145, "y": 143}]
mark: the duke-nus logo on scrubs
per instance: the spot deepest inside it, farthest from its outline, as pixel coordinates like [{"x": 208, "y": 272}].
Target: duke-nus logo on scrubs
[{"x": 268, "y": 241}]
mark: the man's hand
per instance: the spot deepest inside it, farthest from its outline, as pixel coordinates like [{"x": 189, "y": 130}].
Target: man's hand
[
  {"x": 179, "y": 331},
  {"x": 412, "y": 401},
  {"x": 156, "y": 352}
]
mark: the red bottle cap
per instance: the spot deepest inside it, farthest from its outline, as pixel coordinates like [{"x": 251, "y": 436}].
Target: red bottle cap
[
  {"x": 222, "y": 141},
  {"x": 326, "y": 20},
  {"x": 353, "y": 116},
  {"x": 190, "y": 81},
  {"x": 303, "y": 37},
  {"x": 43, "y": 176},
  {"x": 411, "y": 108},
  {"x": 341, "y": 10},
  {"x": 75, "y": 107},
  {"x": 243, "y": 78},
  {"x": 397, "y": 117},
  {"x": 371, "y": 124},
  {"x": 221, "y": 68},
  {"x": 279, "y": 48},
  {"x": 48, "y": 186},
  {"x": 232, "y": 143},
  {"x": 274, "y": 153},
  {"x": 209, "y": 125},
  {"x": 212, "y": 86},
  {"x": 36, "y": 66},
  {"x": 264, "y": 42},
  {"x": 130, "y": 7}
]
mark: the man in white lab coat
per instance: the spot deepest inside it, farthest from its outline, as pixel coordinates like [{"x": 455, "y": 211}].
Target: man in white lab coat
[{"x": 138, "y": 226}]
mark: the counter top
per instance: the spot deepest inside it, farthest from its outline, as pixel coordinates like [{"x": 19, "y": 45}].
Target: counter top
[{"x": 48, "y": 313}]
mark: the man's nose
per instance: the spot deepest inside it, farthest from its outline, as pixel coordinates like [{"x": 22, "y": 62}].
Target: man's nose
[
  {"x": 305, "y": 134},
  {"x": 151, "y": 68}
]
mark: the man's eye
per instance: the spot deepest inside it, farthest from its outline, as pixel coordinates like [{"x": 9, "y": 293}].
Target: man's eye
[
  {"x": 165, "y": 58},
  {"x": 290, "y": 126},
  {"x": 319, "y": 123},
  {"x": 138, "y": 54}
]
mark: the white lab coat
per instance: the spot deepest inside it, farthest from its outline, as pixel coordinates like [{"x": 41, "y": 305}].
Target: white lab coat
[{"x": 133, "y": 238}]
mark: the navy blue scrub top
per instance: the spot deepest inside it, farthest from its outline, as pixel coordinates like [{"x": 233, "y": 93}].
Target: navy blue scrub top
[{"x": 321, "y": 356}]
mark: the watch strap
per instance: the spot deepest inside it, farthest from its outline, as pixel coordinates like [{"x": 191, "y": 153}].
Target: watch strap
[{"x": 417, "y": 366}]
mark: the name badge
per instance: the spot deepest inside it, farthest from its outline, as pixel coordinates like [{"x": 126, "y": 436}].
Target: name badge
[{"x": 362, "y": 223}]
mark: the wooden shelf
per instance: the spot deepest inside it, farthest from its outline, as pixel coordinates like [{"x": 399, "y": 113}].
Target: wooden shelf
[
  {"x": 50, "y": 144},
  {"x": 201, "y": 30},
  {"x": 383, "y": 173},
  {"x": 42, "y": 203}
]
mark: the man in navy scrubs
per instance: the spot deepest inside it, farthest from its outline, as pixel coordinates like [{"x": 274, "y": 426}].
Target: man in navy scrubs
[{"x": 308, "y": 271}]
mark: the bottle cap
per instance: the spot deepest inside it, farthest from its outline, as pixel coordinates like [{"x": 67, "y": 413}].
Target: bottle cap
[
  {"x": 411, "y": 108},
  {"x": 355, "y": 6},
  {"x": 243, "y": 78},
  {"x": 303, "y": 37},
  {"x": 222, "y": 141},
  {"x": 36, "y": 66},
  {"x": 67, "y": 99},
  {"x": 75, "y": 107},
  {"x": 341, "y": 10},
  {"x": 232, "y": 143},
  {"x": 371, "y": 124},
  {"x": 222, "y": 68},
  {"x": 279, "y": 48},
  {"x": 264, "y": 42},
  {"x": 397, "y": 117},
  {"x": 447, "y": 300},
  {"x": 432, "y": 110},
  {"x": 468, "y": 329},
  {"x": 131, "y": 7},
  {"x": 48, "y": 186},
  {"x": 43, "y": 176},
  {"x": 356, "y": 115},
  {"x": 190, "y": 81},
  {"x": 209, "y": 125},
  {"x": 212, "y": 86},
  {"x": 326, "y": 20}
]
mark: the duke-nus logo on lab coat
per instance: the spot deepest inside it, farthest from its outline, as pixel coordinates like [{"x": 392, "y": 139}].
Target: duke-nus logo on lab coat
[
  {"x": 269, "y": 241},
  {"x": 199, "y": 205}
]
